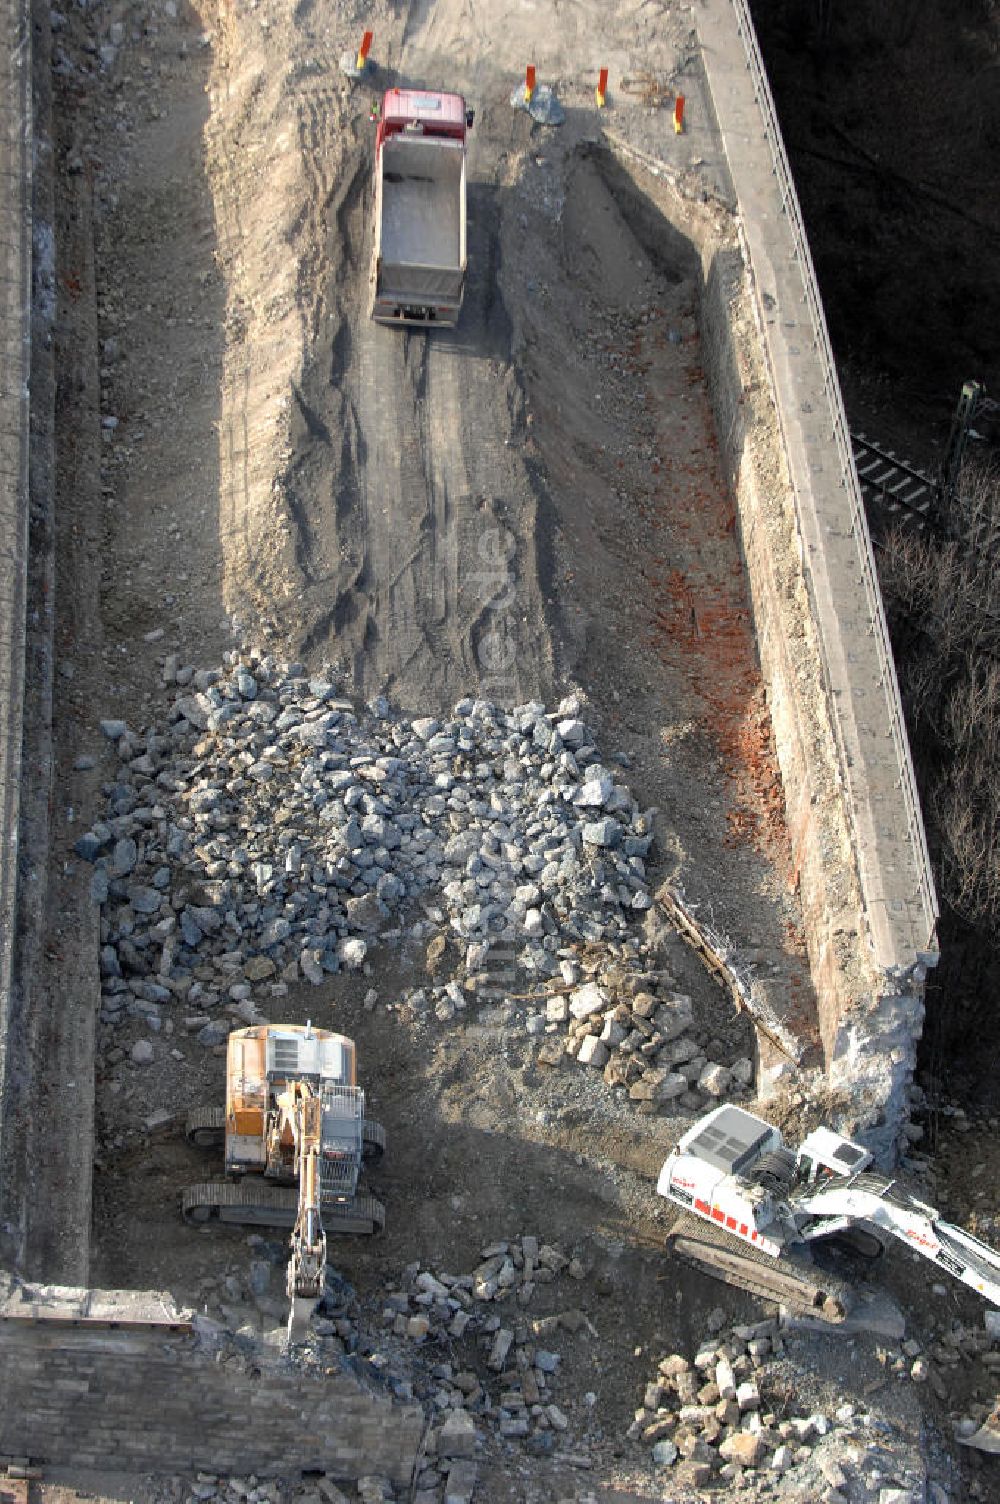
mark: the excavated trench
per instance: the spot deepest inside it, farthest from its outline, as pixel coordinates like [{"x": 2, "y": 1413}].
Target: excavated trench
[
  {"x": 484, "y": 508},
  {"x": 534, "y": 501},
  {"x": 560, "y": 519},
  {"x": 411, "y": 512}
]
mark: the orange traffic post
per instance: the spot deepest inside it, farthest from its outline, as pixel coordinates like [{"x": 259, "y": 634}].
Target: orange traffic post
[
  {"x": 529, "y": 82},
  {"x": 601, "y": 93},
  {"x": 679, "y": 114},
  {"x": 363, "y": 50}
]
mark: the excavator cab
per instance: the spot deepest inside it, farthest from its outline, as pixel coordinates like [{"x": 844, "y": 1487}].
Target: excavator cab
[
  {"x": 296, "y": 1139},
  {"x": 751, "y": 1206},
  {"x": 824, "y": 1155}
]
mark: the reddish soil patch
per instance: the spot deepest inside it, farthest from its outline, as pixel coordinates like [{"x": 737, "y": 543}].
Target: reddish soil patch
[{"x": 704, "y": 626}]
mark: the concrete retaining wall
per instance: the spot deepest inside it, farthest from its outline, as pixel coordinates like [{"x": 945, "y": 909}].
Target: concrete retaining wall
[
  {"x": 122, "y": 1380},
  {"x": 867, "y": 892},
  {"x": 15, "y": 359},
  {"x": 867, "y": 895},
  {"x": 56, "y": 985},
  {"x": 852, "y": 993},
  {"x": 26, "y": 692}
]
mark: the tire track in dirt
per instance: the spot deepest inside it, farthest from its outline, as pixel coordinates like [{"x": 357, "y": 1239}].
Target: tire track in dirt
[
  {"x": 314, "y": 110},
  {"x": 448, "y": 510},
  {"x": 234, "y": 432},
  {"x": 409, "y": 513},
  {"x": 334, "y": 177},
  {"x": 394, "y": 534},
  {"x": 320, "y": 484},
  {"x": 418, "y": 14}
]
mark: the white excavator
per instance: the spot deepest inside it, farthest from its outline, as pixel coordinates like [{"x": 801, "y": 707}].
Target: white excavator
[
  {"x": 296, "y": 1137},
  {"x": 755, "y": 1209}
]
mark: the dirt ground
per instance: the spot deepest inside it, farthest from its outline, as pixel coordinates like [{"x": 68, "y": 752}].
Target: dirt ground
[
  {"x": 424, "y": 515},
  {"x": 529, "y": 503}
]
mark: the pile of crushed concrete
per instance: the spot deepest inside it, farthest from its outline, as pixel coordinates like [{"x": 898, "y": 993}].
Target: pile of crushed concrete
[
  {"x": 270, "y": 818},
  {"x": 733, "y": 1418},
  {"x": 724, "y": 1417},
  {"x": 267, "y": 835},
  {"x": 270, "y": 833}
]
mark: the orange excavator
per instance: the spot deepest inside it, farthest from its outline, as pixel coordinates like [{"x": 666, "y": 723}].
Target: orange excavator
[{"x": 296, "y": 1138}]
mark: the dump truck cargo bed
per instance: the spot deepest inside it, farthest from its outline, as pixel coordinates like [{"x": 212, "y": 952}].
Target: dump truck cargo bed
[
  {"x": 422, "y": 192},
  {"x": 420, "y": 230}
]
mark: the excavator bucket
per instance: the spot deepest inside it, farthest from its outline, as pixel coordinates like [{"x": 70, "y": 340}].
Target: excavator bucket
[
  {"x": 987, "y": 1438},
  {"x": 300, "y": 1317}
]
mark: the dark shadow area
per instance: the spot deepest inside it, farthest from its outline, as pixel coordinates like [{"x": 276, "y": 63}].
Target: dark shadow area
[
  {"x": 634, "y": 420},
  {"x": 467, "y": 1162},
  {"x": 939, "y": 589},
  {"x": 26, "y": 675},
  {"x": 891, "y": 118}
]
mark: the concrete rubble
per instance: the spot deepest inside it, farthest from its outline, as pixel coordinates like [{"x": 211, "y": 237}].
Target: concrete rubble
[
  {"x": 727, "y": 1418},
  {"x": 499, "y": 1378},
  {"x": 730, "y": 1416},
  {"x": 270, "y": 826},
  {"x": 271, "y": 834}
]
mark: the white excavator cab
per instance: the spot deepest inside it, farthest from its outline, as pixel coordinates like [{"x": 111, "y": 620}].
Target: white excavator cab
[
  {"x": 823, "y": 1154},
  {"x": 751, "y": 1208}
]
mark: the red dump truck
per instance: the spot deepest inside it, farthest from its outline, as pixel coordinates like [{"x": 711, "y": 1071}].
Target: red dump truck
[{"x": 418, "y": 258}]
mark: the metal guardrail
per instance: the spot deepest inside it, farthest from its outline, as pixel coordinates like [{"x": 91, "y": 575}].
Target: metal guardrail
[
  {"x": 15, "y": 353},
  {"x": 842, "y": 438}
]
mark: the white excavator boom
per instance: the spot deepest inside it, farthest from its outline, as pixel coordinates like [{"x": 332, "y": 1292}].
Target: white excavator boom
[{"x": 885, "y": 1204}]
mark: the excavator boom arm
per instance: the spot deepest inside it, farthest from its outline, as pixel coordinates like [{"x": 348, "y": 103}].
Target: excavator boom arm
[
  {"x": 295, "y": 1136},
  {"x": 885, "y": 1204},
  {"x": 307, "y": 1263}
]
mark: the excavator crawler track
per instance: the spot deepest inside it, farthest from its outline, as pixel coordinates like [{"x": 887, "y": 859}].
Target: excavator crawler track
[
  {"x": 373, "y": 1141},
  {"x": 803, "y": 1288},
  {"x": 206, "y": 1127},
  {"x": 253, "y": 1202}
]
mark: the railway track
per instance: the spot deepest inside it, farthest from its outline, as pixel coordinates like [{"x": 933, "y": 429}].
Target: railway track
[{"x": 891, "y": 486}]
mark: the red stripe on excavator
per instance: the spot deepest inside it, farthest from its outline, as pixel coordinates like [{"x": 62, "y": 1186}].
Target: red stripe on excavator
[{"x": 716, "y": 1214}]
